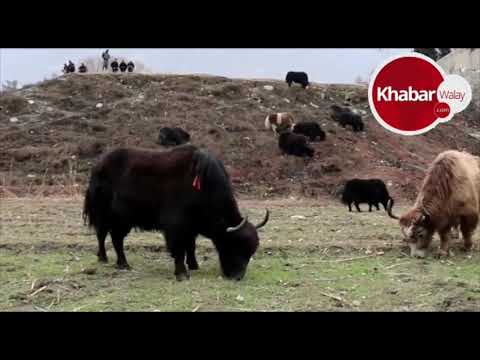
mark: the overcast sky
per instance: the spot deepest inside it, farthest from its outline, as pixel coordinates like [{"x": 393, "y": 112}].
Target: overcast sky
[{"x": 322, "y": 65}]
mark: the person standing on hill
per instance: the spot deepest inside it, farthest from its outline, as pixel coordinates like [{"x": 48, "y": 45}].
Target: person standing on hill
[
  {"x": 106, "y": 59},
  {"x": 130, "y": 66}
]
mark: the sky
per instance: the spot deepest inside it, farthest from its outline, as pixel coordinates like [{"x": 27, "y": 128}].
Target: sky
[{"x": 340, "y": 66}]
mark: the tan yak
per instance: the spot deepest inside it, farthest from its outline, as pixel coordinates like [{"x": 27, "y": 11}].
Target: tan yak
[
  {"x": 278, "y": 122},
  {"x": 448, "y": 198}
]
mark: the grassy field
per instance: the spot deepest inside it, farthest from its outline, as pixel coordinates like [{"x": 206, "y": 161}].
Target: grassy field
[{"x": 313, "y": 257}]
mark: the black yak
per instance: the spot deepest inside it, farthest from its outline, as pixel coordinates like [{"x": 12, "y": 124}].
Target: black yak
[
  {"x": 293, "y": 144},
  {"x": 310, "y": 129},
  {"x": 183, "y": 192},
  {"x": 345, "y": 117},
  {"x": 130, "y": 66},
  {"x": 173, "y": 136},
  {"x": 297, "y": 77},
  {"x": 367, "y": 191}
]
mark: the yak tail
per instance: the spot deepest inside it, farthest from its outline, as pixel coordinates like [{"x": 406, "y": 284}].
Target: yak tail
[
  {"x": 389, "y": 208},
  {"x": 97, "y": 203}
]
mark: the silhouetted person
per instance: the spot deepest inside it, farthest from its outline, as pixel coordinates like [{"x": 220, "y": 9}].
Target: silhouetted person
[
  {"x": 82, "y": 69},
  {"x": 106, "y": 58},
  {"x": 114, "y": 65},
  {"x": 130, "y": 66},
  {"x": 123, "y": 66},
  {"x": 71, "y": 67}
]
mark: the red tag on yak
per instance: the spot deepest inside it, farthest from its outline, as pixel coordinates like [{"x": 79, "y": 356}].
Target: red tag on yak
[{"x": 196, "y": 183}]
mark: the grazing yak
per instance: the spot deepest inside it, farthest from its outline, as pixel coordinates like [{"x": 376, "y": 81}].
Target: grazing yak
[
  {"x": 279, "y": 122},
  {"x": 346, "y": 117},
  {"x": 297, "y": 77},
  {"x": 310, "y": 129},
  {"x": 367, "y": 191},
  {"x": 183, "y": 192},
  {"x": 173, "y": 136},
  {"x": 448, "y": 198},
  {"x": 293, "y": 144}
]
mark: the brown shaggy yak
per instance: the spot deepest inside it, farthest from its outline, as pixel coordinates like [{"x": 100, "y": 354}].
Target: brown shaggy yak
[{"x": 449, "y": 197}]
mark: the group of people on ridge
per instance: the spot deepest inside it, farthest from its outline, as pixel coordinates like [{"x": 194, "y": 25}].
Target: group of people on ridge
[{"x": 122, "y": 66}]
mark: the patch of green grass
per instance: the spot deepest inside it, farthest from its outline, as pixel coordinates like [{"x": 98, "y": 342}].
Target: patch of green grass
[{"x": 330, "y": 260}]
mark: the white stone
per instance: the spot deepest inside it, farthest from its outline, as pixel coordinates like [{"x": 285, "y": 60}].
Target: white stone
[
  {"x": 268, "y": 87},
  {"x": 13, "y": 120},
  {"x": 99, "y": 106},
  {"x": 31, "y": 102}
]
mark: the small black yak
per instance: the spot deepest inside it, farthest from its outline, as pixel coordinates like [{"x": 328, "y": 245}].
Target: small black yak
[
  {"x": 183, "y": 192},
  {"x": 173, "y": 136},
  {"x": 297, "y": 77},
  {"x": 293, "y": 144},
  {"x": 345, "y": 117},
  {"x": 310, "y": 129},
  {"x": 367, "y": 191}
]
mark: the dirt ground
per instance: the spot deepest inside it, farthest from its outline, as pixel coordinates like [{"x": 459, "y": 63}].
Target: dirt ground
[
  {"x": 314, "y": 256},
  {"x": 51, "y": 133}
]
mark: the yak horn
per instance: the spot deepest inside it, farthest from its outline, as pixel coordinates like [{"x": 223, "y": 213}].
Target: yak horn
[
  {"x": 262, "y": 224},
  {"x": 232, "y": 229},
  {"x": 389, "y": 210}
]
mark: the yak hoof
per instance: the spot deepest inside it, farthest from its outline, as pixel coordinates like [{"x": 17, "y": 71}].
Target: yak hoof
[
  {"x": 123, "y": 266},
  {"x": 442, "y": 254},
  {"x": 102, "y": 259},
  {"x": 193, "y": 266},
  {"x": 182, "y": 276}
]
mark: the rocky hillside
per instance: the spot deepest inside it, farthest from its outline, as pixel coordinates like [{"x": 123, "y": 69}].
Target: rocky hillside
[{"x": 51, "y": 133}]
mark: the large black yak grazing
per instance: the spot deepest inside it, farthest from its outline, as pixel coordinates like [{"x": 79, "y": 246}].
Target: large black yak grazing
[{"x": 183, "y": 192}]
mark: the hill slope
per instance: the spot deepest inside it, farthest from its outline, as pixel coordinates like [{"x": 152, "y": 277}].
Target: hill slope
[{"x": 58, "y": 131}]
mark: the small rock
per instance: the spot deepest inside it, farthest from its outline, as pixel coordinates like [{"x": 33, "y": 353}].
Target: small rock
[
  {"x": 356, "y": 303},
  {"x": 287, "y": 101},
  {"x": 268, "y": 87},
  {"x": 31, "y": 102},
  {"x": 315, "y": 106},
  {"x": 240, "y": 298},
  {"x": 298, "y": 217},
  {"x": 49, "y": 109},
  {"x": 13, "y": 120},
  {"x": 31, "y": 176},
  {"x": 89, "y": 271},
  {"x": 99, "y": 106}
]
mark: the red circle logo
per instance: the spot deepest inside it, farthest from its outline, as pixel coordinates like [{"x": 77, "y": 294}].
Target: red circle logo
[
  {"x": 410, "y": 94},
  {"x": 442, "y": 110}
]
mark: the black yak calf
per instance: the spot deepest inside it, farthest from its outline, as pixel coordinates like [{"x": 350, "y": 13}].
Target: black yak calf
[
  {"x": 297, "y": 77},
  {"x": 173, "y": 136},
  {"x": 294, "y": 144},
  {"x": 184, "y": 192},
  {"x": 367, "y": 191},
  {"x": 310, "y": 129},
  {"x": 346, "y": 117}
]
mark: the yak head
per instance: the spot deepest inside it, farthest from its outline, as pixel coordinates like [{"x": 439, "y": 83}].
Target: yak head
[
  {"x": 415, "y": 226},
  {"x": 237, "y": 246}
]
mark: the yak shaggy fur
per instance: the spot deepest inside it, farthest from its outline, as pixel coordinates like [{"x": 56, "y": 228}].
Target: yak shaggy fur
[{"x": 449, "y": 197}]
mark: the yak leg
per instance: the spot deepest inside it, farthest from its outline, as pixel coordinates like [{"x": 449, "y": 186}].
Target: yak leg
[
  {"x": 102, "y": 253},
  {"x": 378, "y": 207},
  {"x": 177, "y": 245},
  {"x": 118, "y": 235},
  {"x": 444, "y": 241},
  {"x": 191, "y": 259},
  {"x": 358, "y": 207},
  {"x": 369, "y": 207},
  {"x": 350, "y": 207},
  {"x": 467, "y": 226}
]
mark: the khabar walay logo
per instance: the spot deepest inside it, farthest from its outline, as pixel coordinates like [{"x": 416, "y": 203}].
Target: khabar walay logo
[{"x": 411, "y": 94}]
